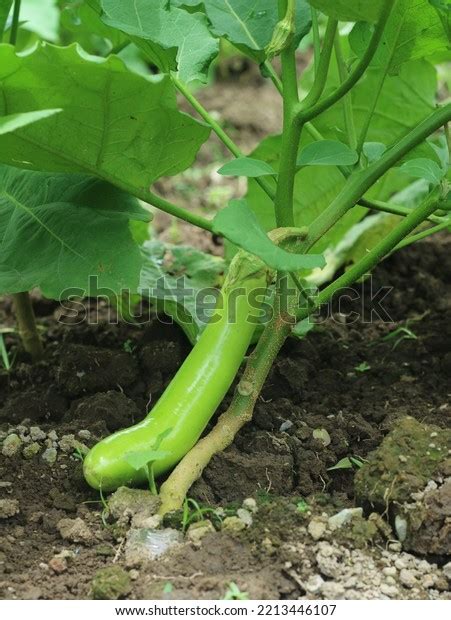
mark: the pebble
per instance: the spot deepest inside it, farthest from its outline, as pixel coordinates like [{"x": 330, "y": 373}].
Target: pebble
[
  {"x": 37, "y": 434},
  {"x": 233, "y": 524},
  {"x": 49, "y": 456},
  {"x": 316, "y": 529},
  {"x": 390, "y": 591},
  {"x": 314, "y": 584},
  {"x": 407, "y": 578},
  {"x": 8, "y": 508},
  {"x": 75, "y": 530},
  {"x": 197, "y": 531},
  {"x": 343, "y": 517},
  {"x": 245, "y": 516},
  {"x": 66, "y": 443},
  {"x": 428, "y": 581},
  {"x": 447, "y": 570},
  {"x": 332, "y": 590},
  {"x": 31, "y": 450},
  {"x": 58, "y": 565},
  {"x": 133, "y": 574},
  {"x": 250, "y": 504},
  {"x": 390, "y": 571},
  {"x": 11, "y": 445},
  {"x": 84, "y": 434},
  {"x": 52, "y": 436}
]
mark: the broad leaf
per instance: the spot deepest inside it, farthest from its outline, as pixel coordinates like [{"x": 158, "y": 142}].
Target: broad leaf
[
  {"x": 61, "y": 231},
  {"x": 327, "y": 153},
  {"x": 247, "y": 167},
  {"x": 350, "y": 10},
  {"x": 16, "y": 121},
  {"x": 250, "y": 25},
  {"x": 179, "y": 40},
  {"x": 116, "y": 125},
  {"x": 172, "y": 277},
  {"x": 41, "y": 17},
  {"x": 424, "y": 169},
  {"x": 5, "y": 6},
  {"x": 239, "y": 224},
  {"x": 414, "y": 31}
]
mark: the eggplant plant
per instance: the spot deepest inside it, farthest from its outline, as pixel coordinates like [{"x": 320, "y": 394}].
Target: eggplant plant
[{"x": 360, "y": 170}]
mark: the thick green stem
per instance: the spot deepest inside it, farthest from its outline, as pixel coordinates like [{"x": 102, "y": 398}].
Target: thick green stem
[
  {"x": 15, "y": 23},
  {"x": 347, "y": 99},
  {"x": 360, "y": 182},
  {"x": 382, "y": 249},
  {"x": 176, "y": 487},
  {"x": 445, "y": 225},
  {"x": 26, "y": 322},
  {"x": 308, "y": 110}
]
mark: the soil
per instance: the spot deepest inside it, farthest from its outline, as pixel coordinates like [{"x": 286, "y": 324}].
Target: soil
[{"x": 336, "y": 394}]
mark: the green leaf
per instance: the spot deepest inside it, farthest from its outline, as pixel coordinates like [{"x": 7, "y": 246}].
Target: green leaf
[
  {"x": 250, "y": 26},
  {"x": 163, "y": 266},
  {"x": 350, "y": 10},
  {"x": 167, "y": 28},
  {"x": 345, "y": 463},
  {"x": 373, "y": 151},
  {"x": 247, "y": 167},
  {"x": 327, "y": 153},
  {"x": 5, "y": 6},
  {"x": 424, "y": 169},
  {"x": 141, "y": 459},
  {"x": 240, "y": 225},
  {"x": 16, "y": 121},
  {"x": 414, "y": 31},
  {"x": 61, "y": 231},
  {"x": 115, "y": 125}
]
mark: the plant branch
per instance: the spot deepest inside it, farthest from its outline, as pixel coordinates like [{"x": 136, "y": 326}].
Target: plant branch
[
  {"x": 360, "y": 182},
  {"x": 446, "y": 224},
  {"x": 216, "y": 127},
  {"x": 323, "y": 67},
  {"x": 176, "y": 487},
  {"x": 347, "y": 100},
  {"x": 316, "y": 39},
  {"x": 15, "y": 23},
  {"x": 308, "y": 111},
  {"x": 26, "y": 322}
]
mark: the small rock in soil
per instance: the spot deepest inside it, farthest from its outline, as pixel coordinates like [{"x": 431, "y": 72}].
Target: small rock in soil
[
  {"x": 31, "y": 450},
  {"x": 233, "y": 524},
  {"x": 37, "y": 434},
  {"x": 316, "y": 528},
  {"x": 133, "y": 505},
  {"x": 58, "y": 565},
  {"x": 11, "y": 445},
  {"x": 75, "y": 530},
  {"x": 8, "y": 508},
  {"x": 344, "y": 516},
  {"x": 49, "y": 456},
  {"x": 110, "y": 583},
  {"x": 197, "y": 531},
  {"x": 447, "y": 571}
]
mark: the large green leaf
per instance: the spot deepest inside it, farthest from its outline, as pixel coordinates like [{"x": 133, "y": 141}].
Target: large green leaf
[
  {"x": 61, "y": 232},
  {"x": 172, "y": 277},
  {"x": 41, "y": 17},
  {"x": 178, "y": 39},
  {"x": 246, "y": 167},
  {"x": 350, "y": 10},
  {"x": 240, "y": 225},
  {"x": 414, "y": 31},
  {"x": 16, "y": 121},
  {"x": 115, "y": 125},
  {"x": 250, "y": 25},
  {"x": 327, "y": 153}
]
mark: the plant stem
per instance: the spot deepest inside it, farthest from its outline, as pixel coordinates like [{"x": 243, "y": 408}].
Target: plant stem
[
  {"x": 347, "y": 99},
  {"x": 316, "y": 39},
  {"x": 273, "y": 76},
  {"x": 15, "y": 23},
  {"x": 216, "y": 127},
  {"x": 307, "y": 112},
  {"x": 174, "y": 490},
  {"x": 424, "y": 234},
  {"x": 360, "y": 182},
  {"x": 323, "y": 67},
  {"x": 26, "y": 322}
]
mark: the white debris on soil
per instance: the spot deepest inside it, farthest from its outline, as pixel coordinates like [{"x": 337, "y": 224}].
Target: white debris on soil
[
  {"x": 8, "y": 508},
  {"x": 144, "y": 545}
]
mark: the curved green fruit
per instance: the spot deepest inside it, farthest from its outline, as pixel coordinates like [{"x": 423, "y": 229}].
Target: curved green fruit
[{"x": 183, "y": 411}]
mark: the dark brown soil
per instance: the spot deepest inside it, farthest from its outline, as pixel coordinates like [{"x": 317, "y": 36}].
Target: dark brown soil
[{"x": 103, "y": 377}]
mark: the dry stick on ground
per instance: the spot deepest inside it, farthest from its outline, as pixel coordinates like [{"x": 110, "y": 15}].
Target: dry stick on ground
[{"x": 26, "y": 322}]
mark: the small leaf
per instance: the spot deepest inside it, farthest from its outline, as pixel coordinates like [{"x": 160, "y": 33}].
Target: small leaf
[
  {"x": 423, "y": 169},
  {"x": 15, "y": 121},
  {"x": 247, "y": 167},
  {"x": 345, "y": 463},
  {"x": 327, "y": 153},
  {"x": 140, "y": 459},
  {"x": 240, "y": 225},
  {"x": 374, "y": 151},
  {"x": 350, "y": 10}
]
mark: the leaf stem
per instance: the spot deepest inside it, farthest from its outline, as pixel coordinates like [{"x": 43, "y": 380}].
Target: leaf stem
[
  {"x": 316, "y": 39},
  {"x": 15, "y": 23},
  {"x": 347, "y": 99},
  {"x": 216, "y": 127},
  {"x": 424, "y": 234},
  {"x": 307, "y": 110},
  {"x": 323, "y": 68},
  {"x": 26, "y": 322}
]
